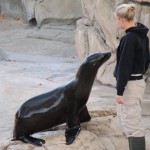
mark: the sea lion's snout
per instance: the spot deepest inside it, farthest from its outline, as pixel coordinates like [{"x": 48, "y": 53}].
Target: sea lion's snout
[
  {"x": 98, "y": 58},
  {"x": 107, "y": 55}
]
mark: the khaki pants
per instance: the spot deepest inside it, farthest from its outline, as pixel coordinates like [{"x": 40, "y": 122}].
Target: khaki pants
[{"x": 129, "y": 112}]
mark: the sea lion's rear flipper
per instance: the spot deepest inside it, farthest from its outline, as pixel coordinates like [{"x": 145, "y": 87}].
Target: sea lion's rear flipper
[
  {"x": 84, "y": 115},
  {"x": 71, "y": 134},
  {"x": 32, "y": 140}
]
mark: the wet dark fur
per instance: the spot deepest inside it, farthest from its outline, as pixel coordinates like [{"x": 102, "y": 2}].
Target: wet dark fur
[{"x": 66, "y": 103}]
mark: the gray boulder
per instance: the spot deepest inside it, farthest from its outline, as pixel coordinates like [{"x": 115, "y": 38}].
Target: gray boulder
[{"x": 54, "y": 12}]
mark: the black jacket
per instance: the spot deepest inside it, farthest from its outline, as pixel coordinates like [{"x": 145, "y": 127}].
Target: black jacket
[{"x": 132, "y": 55}]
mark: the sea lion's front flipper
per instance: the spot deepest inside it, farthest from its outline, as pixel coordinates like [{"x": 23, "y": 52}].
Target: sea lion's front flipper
[
  {"x": 32, "y": 140},
  {"x": 71, "y": 134},
  {"x": 72, "y": 123},
  {"x": 84, "y": 115}
]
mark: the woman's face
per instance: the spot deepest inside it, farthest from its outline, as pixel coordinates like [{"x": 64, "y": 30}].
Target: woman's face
[{"x": 120, "y": 22}]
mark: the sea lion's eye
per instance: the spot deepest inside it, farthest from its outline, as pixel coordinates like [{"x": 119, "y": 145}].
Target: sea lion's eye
[{"x": 94, "y": 64}]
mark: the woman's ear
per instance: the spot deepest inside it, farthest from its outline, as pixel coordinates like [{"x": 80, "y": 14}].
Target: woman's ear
[{"x": 123, "y": 20}]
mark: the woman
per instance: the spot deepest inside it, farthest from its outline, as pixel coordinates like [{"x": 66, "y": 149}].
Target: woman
[{"x": 132, "y": 63}]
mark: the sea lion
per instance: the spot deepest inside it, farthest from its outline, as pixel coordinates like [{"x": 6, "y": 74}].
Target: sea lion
[{"x": 66, "y": 103}]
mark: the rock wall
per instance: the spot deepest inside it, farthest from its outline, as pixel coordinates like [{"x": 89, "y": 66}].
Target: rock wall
[
  {"x": 57, "y": 12},
  {"x": 43, "y": 11},
  {"x": 97, "y": 31},
  {"x": 11, "y": 8}
]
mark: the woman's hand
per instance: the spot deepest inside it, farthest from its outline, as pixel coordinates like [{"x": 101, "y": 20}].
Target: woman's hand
[{"x": 119, "y": 99}]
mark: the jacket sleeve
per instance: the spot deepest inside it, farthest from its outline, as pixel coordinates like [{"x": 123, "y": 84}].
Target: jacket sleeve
[
  {"x": 128, "y": 47},
  {"x": 147, "y": 56}
]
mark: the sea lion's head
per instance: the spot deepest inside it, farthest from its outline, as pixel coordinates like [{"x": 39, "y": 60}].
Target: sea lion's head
[
  {"x": 92, "y": 62},
  {"x": 97, "y": 58}
]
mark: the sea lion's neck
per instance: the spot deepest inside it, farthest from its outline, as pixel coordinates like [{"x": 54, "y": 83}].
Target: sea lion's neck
[{"x": 86, "y": 83}]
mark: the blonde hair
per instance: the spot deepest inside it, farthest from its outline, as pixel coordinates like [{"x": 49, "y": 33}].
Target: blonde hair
[{"x": 126, "y": 11}]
